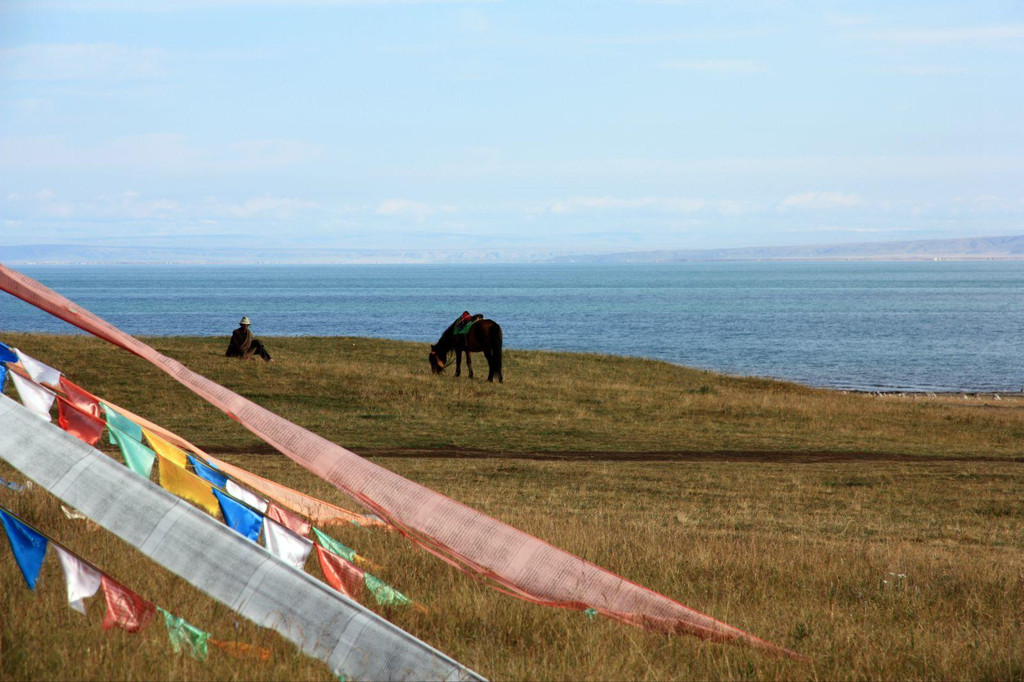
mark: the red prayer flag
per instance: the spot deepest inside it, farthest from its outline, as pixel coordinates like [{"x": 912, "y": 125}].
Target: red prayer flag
[
  {"x": 81, "y": 398},
  {"x": 288, "y": 519},
  {"x": 125, "y": 609},
  {"x": 342, "y": 575},
  {"x": 78, "y": 423}
]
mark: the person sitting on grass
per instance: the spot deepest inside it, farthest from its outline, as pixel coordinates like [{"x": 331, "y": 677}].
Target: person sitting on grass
[{"x": 243, "y": 345}]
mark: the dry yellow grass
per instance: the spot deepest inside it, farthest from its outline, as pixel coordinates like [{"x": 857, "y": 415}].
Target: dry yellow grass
[
  {"x": 875, "y": 568},
  {"x": 373, "y": 395}
]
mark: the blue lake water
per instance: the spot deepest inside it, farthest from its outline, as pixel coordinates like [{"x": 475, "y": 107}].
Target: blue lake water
[{"x": 913, "y": 326}]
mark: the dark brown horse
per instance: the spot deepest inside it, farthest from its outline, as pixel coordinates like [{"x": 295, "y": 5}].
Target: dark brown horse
[{"x": 484, "y": 337}]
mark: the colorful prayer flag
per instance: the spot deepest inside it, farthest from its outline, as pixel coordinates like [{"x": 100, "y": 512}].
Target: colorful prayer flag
[
  {"x": 81, "y": 398},
  {"x": 80, "y": 424},
  {"x": 285, "y": 544},
  {"x": 125, "y": 609},
  {"x": 239, "y": 517},
  {"x": 7, "y": 353},
  {"x": 187, "y": 485},
  {"x": 40, "y": 373},
  {"x": 239, "y": 493},
  {"x": 208, "y": 473},
  {"x": 242, "y": 649},
  {"x": 289, "y": 519},
  {"x": 29, "y": 547},
  {"x": 165, "y": 449},
  {"x": 384, "y": 593},
  {"x": 342, "y": 575},
  {"x": 118, "y": 420},
  {"x": 137, "y": 456},
  {"x": 335, "y": 546},
  {"x": 82, "y": 580},
  {"x": 33, "y": 396},
  {"x": 184, "y": 635},
  {"x": 73, "y": 514}
]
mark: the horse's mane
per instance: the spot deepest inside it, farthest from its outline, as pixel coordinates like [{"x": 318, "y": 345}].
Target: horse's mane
[{"x": 447, "y": 339}]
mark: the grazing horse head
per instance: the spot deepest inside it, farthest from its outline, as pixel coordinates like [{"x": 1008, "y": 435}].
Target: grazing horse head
[{"x": 437, "y": 362}]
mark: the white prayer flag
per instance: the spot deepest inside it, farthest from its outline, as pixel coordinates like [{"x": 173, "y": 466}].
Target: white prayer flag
[
  {"x": 239, "y": 493},
  {"x": 285, "y": 544},
  {"x": 33, "y": 396},
  {"x": 40, "y": 373},
  {"x": 83, "y": 580}
]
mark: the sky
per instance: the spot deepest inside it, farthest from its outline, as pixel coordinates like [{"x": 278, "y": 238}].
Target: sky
[{"x": 512, "y": 126}]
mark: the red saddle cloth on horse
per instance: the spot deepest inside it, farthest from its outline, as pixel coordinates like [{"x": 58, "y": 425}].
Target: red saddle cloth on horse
[{"x": 465, "y": 321}]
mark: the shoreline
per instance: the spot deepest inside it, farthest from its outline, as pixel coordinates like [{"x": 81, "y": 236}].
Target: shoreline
[{"x": 882, "y": 392}]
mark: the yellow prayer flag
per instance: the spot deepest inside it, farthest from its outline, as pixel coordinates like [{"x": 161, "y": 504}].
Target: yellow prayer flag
[
  {"x": 165, "y": 449},
  {"x": 187, "y": 485}
]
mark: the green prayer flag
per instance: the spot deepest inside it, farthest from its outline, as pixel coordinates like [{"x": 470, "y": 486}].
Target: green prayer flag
[
  {"x": 184, "y": 635},
  {"x": 329, "y": 543},
  {"x": 384, "y": 593},
  {"x": 137, "y": 456},
  {"x": 590, "y": 613},
  {"x": 126, "y": 425}
]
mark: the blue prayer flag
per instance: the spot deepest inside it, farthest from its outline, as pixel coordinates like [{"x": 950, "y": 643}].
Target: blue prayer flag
[
  {"x": 3, "y": 376},
  {"x": 6, "y": 354},
  {"x": 29, "y": 547},
  {"x": 239, "y": 517},
  {"x": 207, "y": 473}
]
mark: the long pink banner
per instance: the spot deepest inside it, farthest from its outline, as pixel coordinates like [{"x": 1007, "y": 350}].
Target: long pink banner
[{"x": 514, "y": 561}]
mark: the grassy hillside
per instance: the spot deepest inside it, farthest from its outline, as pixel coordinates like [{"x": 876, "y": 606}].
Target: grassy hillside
[
  {"x": 880, "y": 536},
  {"x": 373, "y": 396}
]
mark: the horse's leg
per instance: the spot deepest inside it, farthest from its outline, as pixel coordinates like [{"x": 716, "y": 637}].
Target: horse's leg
[
  {"x": 469, "y": 364},
  {"x": 458, "y": 362},
  {"x": 490, "y": 364}
]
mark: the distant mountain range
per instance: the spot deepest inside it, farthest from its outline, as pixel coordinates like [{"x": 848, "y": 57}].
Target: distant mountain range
[
  {"x": 68, "y": 254},
  {"x": 978, "y": 248}
]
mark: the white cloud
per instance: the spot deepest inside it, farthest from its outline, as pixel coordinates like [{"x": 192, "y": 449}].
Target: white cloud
[
  {"x": 167, "y": 152},
  {"x": 131, "y": 206},
  {"x": 988, "y": 203},
  {"x": 577, "y": 204},
  {"x": 716, "y": 66},
  {"x": 32, "y": 106},
  {"x": 81, "y": 61},
  {"x": 275, "y": 153},
  {"x": 820, "y": 201},
  {"x": 185, "y": 5},
  {"x": 736, "y": 207},
  {"x": 931, "y": 70},
  {"x": 947, "y": 36},
  {"x": 268, "y": 206},
  {"x": 416, "y": 209}
]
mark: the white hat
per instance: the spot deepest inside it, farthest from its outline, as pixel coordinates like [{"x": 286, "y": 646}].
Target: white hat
[{"x": 245, "y": 320}]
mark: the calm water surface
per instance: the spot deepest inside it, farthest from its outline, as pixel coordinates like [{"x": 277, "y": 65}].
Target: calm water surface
[{"x": 921, "y": 326}]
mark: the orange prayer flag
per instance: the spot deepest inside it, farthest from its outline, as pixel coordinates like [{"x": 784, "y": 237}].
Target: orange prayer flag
[
  {"x": 79, "y": 423},
  {"x": 340, "y": 574},
  {"x": 241, "y": 649},
  {"x": 187, "y": 485},
  {"x": 125, "y": 609},
  {"x": 165, "y": 449},
  {"x": 81, "y": 398}
]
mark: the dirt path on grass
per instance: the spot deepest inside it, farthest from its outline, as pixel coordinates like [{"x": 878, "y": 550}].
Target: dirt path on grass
[{"x": 672, "y": 456}]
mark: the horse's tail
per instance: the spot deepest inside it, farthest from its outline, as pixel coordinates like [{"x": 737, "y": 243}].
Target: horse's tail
[{"x": 496, "y": 339}]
